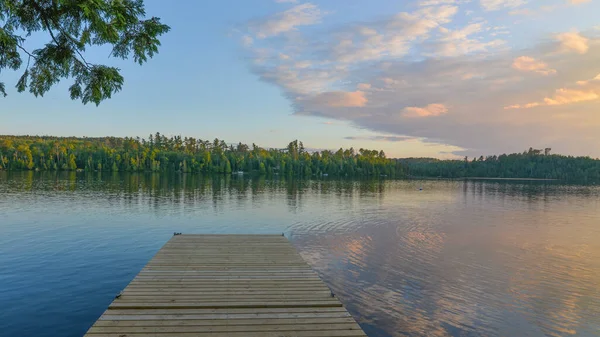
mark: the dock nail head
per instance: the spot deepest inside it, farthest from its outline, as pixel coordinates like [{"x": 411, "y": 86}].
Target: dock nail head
[
  {"x": 119, "y": 295},
  {"x": 332, "y": 294},
  {"x": 282, "y": 234},
  {"x": 176, "y": 233}
]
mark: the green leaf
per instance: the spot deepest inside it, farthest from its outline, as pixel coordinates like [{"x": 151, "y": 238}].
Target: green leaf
[
  {"x": 22, "y": 83},
  {"x": 70, "y": 26},
  {"x": 2, "y": 89},
  {"x": 75, "y": 91}
]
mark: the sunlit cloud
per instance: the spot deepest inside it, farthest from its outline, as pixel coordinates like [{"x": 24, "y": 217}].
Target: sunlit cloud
[
  {"x": 430, "y": 110},
  {"x": 363, "y": 86},
  {"x": 423, "y": 74},
  {"x": 341, "y": 99},
  {"x": 587, "y": 90},
  {"x": 573, "y": 42},
  {"x": 529, "y": 64}
]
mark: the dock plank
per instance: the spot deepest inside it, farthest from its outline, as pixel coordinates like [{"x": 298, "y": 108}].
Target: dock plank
[{"x": 226, "y": 285}]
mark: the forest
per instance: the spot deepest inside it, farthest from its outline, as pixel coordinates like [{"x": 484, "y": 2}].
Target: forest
[
  {"x": 533, "y": 163},
  {"x": 159, "y": 153}
]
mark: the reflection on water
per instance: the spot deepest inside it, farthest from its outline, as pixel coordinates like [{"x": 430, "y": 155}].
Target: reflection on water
[{"x": 455, "y": 259}]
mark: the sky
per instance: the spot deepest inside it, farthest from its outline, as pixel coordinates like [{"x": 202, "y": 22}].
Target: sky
[{"x": 427, "y": 78}]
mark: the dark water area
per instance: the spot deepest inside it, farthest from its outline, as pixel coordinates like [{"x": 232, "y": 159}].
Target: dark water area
[{"x": 457, "y": 258}]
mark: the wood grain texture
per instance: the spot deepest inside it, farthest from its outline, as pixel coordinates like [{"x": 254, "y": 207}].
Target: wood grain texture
[{"x": 226, "y": 285}]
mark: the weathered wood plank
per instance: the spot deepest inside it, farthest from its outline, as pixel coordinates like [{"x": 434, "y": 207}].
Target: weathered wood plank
[
  {"x": 226, "y": 328},
  {"x": 226, "y": 285},
  {"x": 173, "y": 304},
  {"x": 231, "y": 322},
  {"x": 344, "y": 333},
  {"x": 223, "y": 316},
  {"x": 223, "y": 311}
]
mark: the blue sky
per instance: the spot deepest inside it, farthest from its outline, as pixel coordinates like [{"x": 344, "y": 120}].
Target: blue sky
[{"x": 438, "y": 78}]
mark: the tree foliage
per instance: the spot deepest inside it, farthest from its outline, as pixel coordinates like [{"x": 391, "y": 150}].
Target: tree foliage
[
  {"x": 72, "y": 26},
  {"x": 176, "y": 154},
  {"x": 533, "y": 163}
]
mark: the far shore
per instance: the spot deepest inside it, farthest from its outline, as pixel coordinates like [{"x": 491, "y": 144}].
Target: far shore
[{"x": 482, "y": 178}]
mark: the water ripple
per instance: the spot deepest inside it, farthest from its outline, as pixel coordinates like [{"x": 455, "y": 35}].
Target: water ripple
[{"x": 452, "y": 259}]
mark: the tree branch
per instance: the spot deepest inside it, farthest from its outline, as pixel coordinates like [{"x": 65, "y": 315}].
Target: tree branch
[
  {"x": 49, "y": 28},
  {"x": 26, "y": 52}
]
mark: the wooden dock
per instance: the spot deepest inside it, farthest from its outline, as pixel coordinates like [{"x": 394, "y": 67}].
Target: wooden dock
[{"x": 226, "y": 285}]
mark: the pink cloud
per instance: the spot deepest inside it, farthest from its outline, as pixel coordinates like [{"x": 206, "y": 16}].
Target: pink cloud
[
  {"x": 573, "y": 42},
  {"x": 342, "y": 99},
  {"x": 529, "y": 64},
  {"x": 427, "y": 111},
  {"x": 568, "y": 96},
  {"x": 587, "y": 91},
  {"x": 363, "y": 86}
]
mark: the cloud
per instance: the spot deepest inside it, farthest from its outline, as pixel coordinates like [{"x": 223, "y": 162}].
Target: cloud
[
  {"x": 459, "y": 41},
  {"x": 578, "y": 2},
  {"x": 286, "y": 1},
  {"x": 300, "y": 15},
  {"x": 390, "y": 38},
  {"x": 493, "y": 5},
  {"x": 561, "y": 97},
  {"x": 573, "y": 42},
  {"x": 381, "y": 138},
  {"x": 522, "y": 11},
  {"x": 430, "y": 110},
  {"x": 588, "y": 90},
  {"x": 529, "y": 64},
  {"x": 366, "y": 31},
  {"x": 341, "y": 99},
  {"x": 374, "y": 75},
  {"x": 441, "y": 2},
  {"x": 586, "y": 82},
  {"x": 247, "y": 40}
]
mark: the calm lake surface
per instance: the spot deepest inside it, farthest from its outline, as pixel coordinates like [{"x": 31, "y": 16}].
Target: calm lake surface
[{"x": 455, "y": 259}]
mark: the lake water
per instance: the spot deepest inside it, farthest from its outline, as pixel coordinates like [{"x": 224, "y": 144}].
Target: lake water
[{"x": 453, "y": 259}]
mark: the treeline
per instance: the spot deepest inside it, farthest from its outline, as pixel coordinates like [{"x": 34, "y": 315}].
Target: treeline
[
  {"x": 159, "y": 153},
  {"x": 534, "y": 163}
]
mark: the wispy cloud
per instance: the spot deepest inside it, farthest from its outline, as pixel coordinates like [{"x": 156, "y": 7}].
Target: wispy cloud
[
  {"x": 247, "y": 40},
  {"x": 521, "y": 11},
  {"x": 441, "y": 2},
  {"x": 301, "y": 15},
  {"x": 286, "y": 1},
  {"x": 493, "y": 5},
  {"x": 578, "y": 2}
]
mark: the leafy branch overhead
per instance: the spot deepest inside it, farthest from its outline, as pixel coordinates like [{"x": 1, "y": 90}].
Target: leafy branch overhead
[{"x": 72, "y": 26}]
